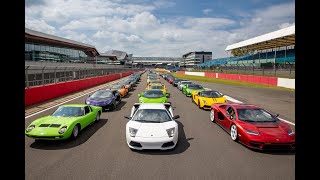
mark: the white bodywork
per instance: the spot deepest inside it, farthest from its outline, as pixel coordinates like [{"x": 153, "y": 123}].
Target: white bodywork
[
  {"x": 181, "y": 83},
  {"x": 151, "y": 135}
]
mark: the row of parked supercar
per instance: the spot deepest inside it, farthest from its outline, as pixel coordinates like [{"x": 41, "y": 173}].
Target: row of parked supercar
[
  {"x": 68, "y": 120},
  {"x": 251, "y": 125},
  {"x": 151, "y": 122}
]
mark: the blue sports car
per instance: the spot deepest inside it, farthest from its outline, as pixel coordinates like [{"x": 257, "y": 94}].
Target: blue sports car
[{"x": 107, "y": 99}]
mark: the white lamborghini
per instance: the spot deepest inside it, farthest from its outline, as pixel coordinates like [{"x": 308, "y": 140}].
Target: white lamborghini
[{"x": 152, "y": 126}]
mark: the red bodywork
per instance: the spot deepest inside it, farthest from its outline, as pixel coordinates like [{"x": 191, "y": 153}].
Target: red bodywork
[
  {"x": 170, "y": 80},
  {"x": 272, "y": 135}
]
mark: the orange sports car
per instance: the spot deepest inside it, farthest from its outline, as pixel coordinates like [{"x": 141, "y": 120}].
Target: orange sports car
[{"x": 121, "y": 88}]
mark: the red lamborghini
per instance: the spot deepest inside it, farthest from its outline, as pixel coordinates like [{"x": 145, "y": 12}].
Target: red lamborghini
[{"x": 253, "y": 126}]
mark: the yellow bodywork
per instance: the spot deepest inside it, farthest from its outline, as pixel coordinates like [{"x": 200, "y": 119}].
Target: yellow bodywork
[
  {"x": 206, "y": 102},
  {"x": 164, "y": 89}
]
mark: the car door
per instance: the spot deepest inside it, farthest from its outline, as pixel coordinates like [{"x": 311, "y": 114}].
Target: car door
[
  {"x": 89, "y": 116},
  {"x": 228, "y": 119},
  {"x": 196, "y": 97},
  {"x": 221, "y": 117}
]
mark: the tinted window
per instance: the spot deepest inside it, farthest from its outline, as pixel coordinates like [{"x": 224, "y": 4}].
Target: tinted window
[
  {"x": 195, "y": 86},
  {"x": 156, "y": 87},
  {"x": 255, "y": 115},
  {"x": 86, "y": 110},
  {"x": 67, "y": 111},
  {"x": 153, "y": 94},
  {"x": 101, "y": 94},
  {"x": 151, "y": 116},
  {"x": 211, "y": 94}
]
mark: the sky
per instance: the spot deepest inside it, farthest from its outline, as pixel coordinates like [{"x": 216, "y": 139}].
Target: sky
[{"x": 159, "y": 28}]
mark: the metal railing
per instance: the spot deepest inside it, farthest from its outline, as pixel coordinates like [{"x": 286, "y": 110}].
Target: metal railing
[
  {"x": 287, "y": 71},
  {"x": 36, "y": 75}
]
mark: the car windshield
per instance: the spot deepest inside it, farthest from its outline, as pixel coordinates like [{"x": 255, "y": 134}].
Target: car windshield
[
  {"x": 211, "y": 94},
  {"x": 101, "y": 94},
  {"x": 151, "y": 116},
  {"x": 195, "y": 86},
  {"x": 186, "y": 82},
  {"x": 156, "y": 87},
  {"x": 68, "y": 111},
  {"x": 255, "y": 115},
  {"x": 153, "y": 94},
  {"x": 153, "y": 78}
]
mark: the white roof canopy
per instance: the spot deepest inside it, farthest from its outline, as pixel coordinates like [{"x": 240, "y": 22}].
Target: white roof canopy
[{"x": 279, "y": 38}]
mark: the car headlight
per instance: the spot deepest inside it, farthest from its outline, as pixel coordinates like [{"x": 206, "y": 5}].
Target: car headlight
[
  {"x": 204, "y": 101},
  {"x": 62, "y": 130},
  {"x": 290, "y": 132},
  {"x": 30, "y": 128},
  {"x": 252, "y": 132},
  {"x": 88, "y": 102},
  {"x": 133, "y": 131},
  {"x": 170, "y": 132}
]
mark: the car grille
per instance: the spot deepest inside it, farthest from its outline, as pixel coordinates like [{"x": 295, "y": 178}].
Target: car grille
[
  {"x": 44, "y": 125},
  {"x": 167, "y": 144},
  {"x": 55, "y": 125},
  {"x": 135, "y": 144},
  {"x": 50, "y": 125},
  {"x": 45, "y": 137}
]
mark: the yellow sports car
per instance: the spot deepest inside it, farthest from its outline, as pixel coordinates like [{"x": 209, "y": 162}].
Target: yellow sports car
[
  {"x": 158, "y": 86},
  {"x": 205, "y": 99}
]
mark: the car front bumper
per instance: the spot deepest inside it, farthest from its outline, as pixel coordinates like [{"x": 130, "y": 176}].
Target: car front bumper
[{"x": 163, "y": 143}]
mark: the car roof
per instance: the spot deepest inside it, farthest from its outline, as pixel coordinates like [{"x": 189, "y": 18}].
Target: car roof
[{"x": 152, "y": 106}]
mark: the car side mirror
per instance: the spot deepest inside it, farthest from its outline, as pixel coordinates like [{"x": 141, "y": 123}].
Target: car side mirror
[
  {"x": 127, "y": 117},
  {"x": 277, "y": 115},
  {"x": 167, "y": 95},
  {"x": 176, "y": 117},
  {"x": 139, "y": 95},
  {"x": 89, "y": 95}
]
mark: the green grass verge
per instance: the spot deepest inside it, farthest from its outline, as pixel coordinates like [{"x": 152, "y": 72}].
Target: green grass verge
[{"x": 223, "y": 81}]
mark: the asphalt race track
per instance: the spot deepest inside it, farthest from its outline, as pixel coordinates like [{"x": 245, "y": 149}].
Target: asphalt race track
[{"x": 204, "y": 149}]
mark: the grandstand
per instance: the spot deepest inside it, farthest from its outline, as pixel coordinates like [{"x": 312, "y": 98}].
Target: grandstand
[{"x": 269, "y": 51}]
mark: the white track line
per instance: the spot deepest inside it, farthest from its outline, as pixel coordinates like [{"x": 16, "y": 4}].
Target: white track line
[
  {"x": 67, "y": 101},
  {"x": 236, "y": 101}
]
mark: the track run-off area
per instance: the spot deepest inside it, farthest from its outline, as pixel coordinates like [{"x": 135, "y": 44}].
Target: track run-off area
[{"x": 204, "y": 149}]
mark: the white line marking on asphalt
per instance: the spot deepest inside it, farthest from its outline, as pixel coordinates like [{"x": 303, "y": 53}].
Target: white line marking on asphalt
[
  {"x": 68, "y": 100},
  {"x": 236, "y": 101}
]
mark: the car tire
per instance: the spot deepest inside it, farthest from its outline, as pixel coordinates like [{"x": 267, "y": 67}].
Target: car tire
[
  {"x": 97, "y": 117},
  {"x": 234, "y": 132},
  {"x": 199, "y": 105},
  {"x": 75, "y": 132},
  {"x": 212, "y": 118}
]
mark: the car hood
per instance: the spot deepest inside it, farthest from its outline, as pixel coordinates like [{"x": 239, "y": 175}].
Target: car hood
[
  {"x": 152, "y": 100},
  {"x": 270, "y": 132},
  {"x": 152, "y": 130},
  {"x": 57, "y": 120},
  {"x": 214, "y": 100}
]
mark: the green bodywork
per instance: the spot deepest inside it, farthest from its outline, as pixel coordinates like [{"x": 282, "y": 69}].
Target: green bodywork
[
  {"x": 142, "y": 99},
  {"x": 51, "y": 133},
  {"x": 187, "y": 91}
]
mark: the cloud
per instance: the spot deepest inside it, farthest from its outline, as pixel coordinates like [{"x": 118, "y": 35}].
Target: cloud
[
  {"x": 206, "y": 11},
  {"x": 284, "y": 25},
  {"x": 39, "y": 25},
  {"x": 134, "y": 27},
  {"x": 164, "y": 3}
]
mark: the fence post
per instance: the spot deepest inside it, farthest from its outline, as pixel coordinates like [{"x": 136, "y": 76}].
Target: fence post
[
  {"x": 55, "y": 74},
  {"x": 65, "y": 74},
  {"x": 275, "y": 69},
  {"x": 252, "y": 69},
  {"x": 42, "y": 71},
  {"x": 290, "y": 71},
  {"x": 27, "y": 78}
]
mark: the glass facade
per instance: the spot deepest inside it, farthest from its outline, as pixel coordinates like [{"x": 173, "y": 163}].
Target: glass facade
[{"x": 37, "y": 52}]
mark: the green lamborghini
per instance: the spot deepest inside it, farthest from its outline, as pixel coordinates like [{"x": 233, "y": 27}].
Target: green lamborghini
[
  {"x": 153, "y": 96},
  {"x": 66, "y": 122},
  {"x": 189, "y": 88}
]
